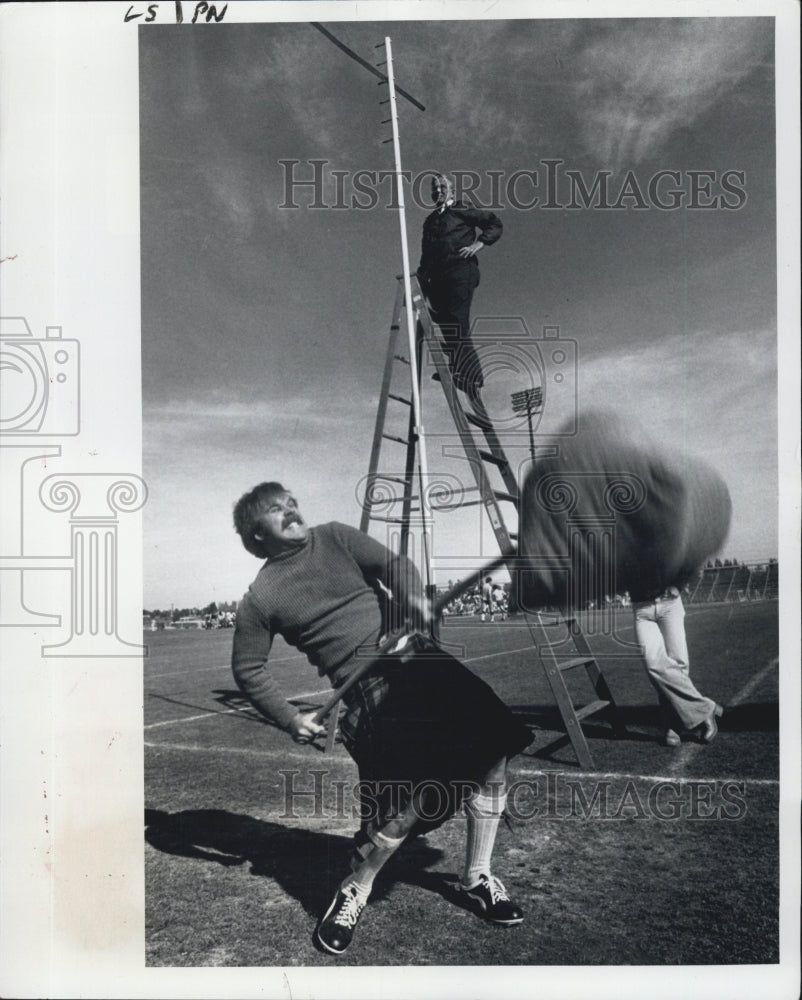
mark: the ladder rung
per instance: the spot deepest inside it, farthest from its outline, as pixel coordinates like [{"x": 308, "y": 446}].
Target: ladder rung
[
  {"x": 591, "y": 709},
  {"x": 392, "y": 520},
  {"x": 579, "y": 661},
  {"x": 495, "y": 459},
  {"x": 400, "y": 357},
  {"x": 389, "y": 500},
  {"x": 390, "y": 479},
  {"x": 392, "y": 437},
  {"x": 399, "y": 399},
  {"x": 501, "y": 495}
]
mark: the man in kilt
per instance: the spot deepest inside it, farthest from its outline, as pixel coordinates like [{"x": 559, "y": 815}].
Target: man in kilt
[{"x": 427, "y": 735}]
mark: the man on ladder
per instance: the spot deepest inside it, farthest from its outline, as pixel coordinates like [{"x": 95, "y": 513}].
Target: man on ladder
[{"x": 449, "y": 274}]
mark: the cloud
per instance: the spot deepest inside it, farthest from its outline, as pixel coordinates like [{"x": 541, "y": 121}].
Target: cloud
[
  {"x": 639, "y": 82},
  {"x": 710, "y": 393},
  {"x": 246, "y": 426}
]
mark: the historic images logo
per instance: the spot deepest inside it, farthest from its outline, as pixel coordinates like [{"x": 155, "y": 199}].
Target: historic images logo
[
  {"x": 549, "y": 795},
  {"x": 550, "y": 186}
]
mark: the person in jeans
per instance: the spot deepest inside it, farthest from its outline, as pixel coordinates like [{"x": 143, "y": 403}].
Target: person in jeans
[{"x": 660, "y": 631}]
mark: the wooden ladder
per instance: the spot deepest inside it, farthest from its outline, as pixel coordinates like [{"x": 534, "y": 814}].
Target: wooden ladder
[{"x": 484, "y": 453}]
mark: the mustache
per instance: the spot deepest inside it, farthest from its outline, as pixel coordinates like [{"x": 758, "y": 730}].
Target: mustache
[{"x": 292, "y": 519}]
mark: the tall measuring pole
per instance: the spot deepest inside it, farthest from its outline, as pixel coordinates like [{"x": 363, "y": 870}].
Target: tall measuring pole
[{"x": 423, "y": 470}]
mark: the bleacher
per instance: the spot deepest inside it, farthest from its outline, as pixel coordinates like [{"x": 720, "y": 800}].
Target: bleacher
[{"x": 722, "y": 584}]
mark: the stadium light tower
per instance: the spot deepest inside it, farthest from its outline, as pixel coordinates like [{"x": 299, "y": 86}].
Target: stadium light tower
[{"x": 529, "y": 401}]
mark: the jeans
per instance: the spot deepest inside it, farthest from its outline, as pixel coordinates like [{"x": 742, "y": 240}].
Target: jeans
[{"x": 660, "y": 630}]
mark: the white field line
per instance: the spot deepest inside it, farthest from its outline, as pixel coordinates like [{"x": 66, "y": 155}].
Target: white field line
[
  {"x": 515, "y": 771},
  {"x": 229, "y": 711},
  {"x": 501, "y": 652},
  {"x": 679, "y": 763},
  {"x": 300, "y": 656},
  {"x": 755, "y": 682},
  {"x": 286, "y": 753},
  {"x": 309, "y": 694},
  {"x": 297, "y": 697},
  {"x": 690, "y": 750},
  {"x": 623, "y": 776},
  {"x": 225, "y": 666},
  {"x": 194, "y": 718}
]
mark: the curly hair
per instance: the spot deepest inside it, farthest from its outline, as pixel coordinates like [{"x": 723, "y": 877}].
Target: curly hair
[{"x": 247, "y": 511}]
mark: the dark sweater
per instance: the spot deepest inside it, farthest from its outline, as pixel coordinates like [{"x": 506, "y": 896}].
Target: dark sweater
[
  {"x": 321, "y": 598},
  {"x": 446, "y": 233}
]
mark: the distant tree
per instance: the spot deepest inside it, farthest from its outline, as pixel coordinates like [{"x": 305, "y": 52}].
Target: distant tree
[{"x": 718, "y": 564}]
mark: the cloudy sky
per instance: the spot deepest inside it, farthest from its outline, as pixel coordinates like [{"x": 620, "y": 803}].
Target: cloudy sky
[{"x": 265, "y": 327}]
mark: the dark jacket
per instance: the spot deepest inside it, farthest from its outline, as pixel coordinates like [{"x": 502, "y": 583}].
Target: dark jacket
[{"x": 446, "y": 233}]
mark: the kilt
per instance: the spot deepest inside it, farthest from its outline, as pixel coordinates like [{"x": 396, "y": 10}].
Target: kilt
[{"x": 422, "y": 720}]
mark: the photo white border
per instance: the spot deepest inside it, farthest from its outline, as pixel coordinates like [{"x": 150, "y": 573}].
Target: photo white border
[{"x": 71, "y": 775}]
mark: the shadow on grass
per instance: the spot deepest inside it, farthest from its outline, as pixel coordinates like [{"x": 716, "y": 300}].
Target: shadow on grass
[
  {"x": 640, "y": 722},
  {"x": 241, "y": 705},
  {"x": 760, "y": 717},
  {"x": 306, "y": 864}
]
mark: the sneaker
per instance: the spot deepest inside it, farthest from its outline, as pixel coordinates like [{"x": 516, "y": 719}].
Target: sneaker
[
  {"x": 496, "y": 905},
  {"x": 336, "y": 930}
]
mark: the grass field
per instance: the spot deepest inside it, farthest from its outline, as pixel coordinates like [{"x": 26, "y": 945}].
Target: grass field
[{"x": 675, "y": 860}]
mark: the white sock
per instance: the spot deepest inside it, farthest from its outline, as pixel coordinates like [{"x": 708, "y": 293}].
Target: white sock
[
  {"x": 483, "y": 813},
  {"x": 364, "y": 873}
]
